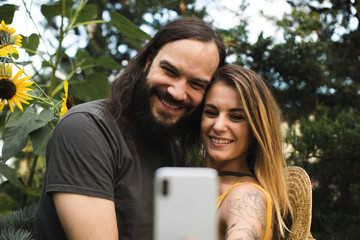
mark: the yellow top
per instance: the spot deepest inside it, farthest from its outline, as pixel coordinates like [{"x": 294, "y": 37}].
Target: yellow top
[{"x": 268, "y": 205}]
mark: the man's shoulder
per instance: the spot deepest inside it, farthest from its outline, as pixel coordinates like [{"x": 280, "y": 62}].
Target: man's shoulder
[
  {"x": 94, "y": 109},
  {"x": 89, "y": 113},
  {"x": 88, "y": 107}
]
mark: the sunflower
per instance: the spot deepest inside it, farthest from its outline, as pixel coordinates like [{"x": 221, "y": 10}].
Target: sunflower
[
  {"x": 67, "y": 100},
  {"x": 8, "y": 40},
  {"x": 13, "y": 89}
]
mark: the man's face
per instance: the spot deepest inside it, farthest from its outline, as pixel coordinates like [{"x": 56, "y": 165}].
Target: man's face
[{"x": 178, "y": 77}]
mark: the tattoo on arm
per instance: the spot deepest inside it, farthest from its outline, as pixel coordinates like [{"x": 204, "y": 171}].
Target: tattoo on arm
[{"x": 250, "y": 208}]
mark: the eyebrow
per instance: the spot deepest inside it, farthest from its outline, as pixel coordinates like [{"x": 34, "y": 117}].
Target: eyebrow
[
  {"x": 240, "y": 109},
  {"x": 176, "y": 71}
]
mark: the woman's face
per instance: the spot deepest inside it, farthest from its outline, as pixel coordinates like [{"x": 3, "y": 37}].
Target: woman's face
[{"x": 225, "y": 131}]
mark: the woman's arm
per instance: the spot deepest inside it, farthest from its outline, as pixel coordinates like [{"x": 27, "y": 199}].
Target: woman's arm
[{"x": 244, "y": 213}]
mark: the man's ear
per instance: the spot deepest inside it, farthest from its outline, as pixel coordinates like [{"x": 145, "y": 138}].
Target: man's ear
[
  {"x": 146, "y": 65},
  {"x": 148, "y": 62}
]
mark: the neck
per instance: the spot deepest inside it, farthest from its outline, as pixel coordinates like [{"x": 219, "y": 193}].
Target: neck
[{"x": 235, "y": 165}]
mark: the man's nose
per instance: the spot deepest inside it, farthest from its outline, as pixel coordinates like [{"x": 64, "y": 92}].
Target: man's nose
[{"x": 178, "y": 90}]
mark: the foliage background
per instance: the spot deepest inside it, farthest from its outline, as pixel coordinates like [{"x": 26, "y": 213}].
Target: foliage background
[{"x": 314, "y": 71}]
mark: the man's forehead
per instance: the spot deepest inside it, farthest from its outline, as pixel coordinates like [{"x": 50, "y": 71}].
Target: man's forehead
[{"x": 190, "y": 55}]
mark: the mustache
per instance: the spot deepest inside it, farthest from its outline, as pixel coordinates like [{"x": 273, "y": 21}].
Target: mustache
[{"x": 168, "y": 98}]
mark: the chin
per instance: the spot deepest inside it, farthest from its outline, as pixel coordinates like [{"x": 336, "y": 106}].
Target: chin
[
  {"x": 165, "y": 119},
  {"x": 217, "y": 158},
  {"x": 165, "y": 123}
]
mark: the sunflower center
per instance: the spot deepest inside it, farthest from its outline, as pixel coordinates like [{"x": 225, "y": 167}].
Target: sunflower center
[
  {"x": 7, "y": 89},
  {"x": 5, "y": 38},
  {"x": 69, "y": 102}
]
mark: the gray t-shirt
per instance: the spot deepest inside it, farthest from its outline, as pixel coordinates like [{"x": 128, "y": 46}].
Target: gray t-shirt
[{"x": 88, "y": 155}]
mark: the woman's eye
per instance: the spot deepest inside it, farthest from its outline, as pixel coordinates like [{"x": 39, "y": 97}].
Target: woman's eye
[
  {"x": 237, "y": 117},
  {"x": 210, "y": 113}
]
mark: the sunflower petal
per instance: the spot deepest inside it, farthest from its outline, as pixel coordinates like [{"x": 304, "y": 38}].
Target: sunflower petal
[
  {"x": 14, "y": 50},
  {"x": 23, "y": 89},
  {"x": 10, "y": 103},
  {"x": 23, "y": 95},
  {"x": 22, "y": 83},
  {"x": 18, "y": 74},
  {"x": 3, "y": 52},
  {"x": 22, "y": 79},
  {"x": 17, "y": 103},
  {"x": 23, "y": 101},
  {"x": 63, "y": 110},
  {"x": 66, "y": 88},
  {"x": 2, "y": 104}
]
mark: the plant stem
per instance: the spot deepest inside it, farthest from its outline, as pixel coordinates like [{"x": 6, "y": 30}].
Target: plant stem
[
  {"x": 49, "y": 102},
  {"x": 88, "y": 22},
  {"x": 30, "y": 180},
  {"x": 37, "y": 29},
  {"x": 58, "y": 51},
  {"x": 43, "y": 100},
  {"x": 32, "y": 171},
  {"x": 59, "y": 87}
]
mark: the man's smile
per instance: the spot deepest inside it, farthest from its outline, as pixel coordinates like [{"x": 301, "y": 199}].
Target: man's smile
[{"x": 170, "y": 105}]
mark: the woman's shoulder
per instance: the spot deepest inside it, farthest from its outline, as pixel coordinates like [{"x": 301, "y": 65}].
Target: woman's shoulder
[
  {"x": 247, "y": 192},
  {"x": 244, "y": 211}
]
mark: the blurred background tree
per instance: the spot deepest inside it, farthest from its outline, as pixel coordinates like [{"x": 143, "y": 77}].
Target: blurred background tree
[{"x": 313, "y": 69}]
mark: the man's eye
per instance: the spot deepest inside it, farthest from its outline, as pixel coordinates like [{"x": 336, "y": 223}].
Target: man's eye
[
  {"x": 168, "y": 71},
  {"x": 198, "y": 86}
]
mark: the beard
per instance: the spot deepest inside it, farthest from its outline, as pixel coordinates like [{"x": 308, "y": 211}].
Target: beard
[{"x": 146, "y": 124}]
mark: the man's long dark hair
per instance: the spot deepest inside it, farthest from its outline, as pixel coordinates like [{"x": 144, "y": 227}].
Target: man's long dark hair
[{"x": 122, "y": 89}]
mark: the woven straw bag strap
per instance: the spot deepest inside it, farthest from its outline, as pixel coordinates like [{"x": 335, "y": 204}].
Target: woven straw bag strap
[{"x": 300, "y": 195}]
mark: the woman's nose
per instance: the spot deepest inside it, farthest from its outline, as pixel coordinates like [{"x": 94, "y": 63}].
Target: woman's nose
[{"x": 220, "y": 124}]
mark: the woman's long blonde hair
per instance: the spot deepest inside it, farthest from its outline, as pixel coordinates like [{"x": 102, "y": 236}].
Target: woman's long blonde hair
[{"x": 265, "y": 157}]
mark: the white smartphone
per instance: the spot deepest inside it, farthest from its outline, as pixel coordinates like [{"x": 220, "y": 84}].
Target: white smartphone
[{"x": 185, "y": 204}]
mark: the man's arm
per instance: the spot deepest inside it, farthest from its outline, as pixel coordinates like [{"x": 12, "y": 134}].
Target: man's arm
[{"x": 85, "y": 217}]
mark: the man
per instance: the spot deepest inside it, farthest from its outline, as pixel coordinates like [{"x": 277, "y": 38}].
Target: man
[{"x": 102, "y": 155}]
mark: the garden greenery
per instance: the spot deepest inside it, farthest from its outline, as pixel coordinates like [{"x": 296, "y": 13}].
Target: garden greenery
[{"x": 30, "y": 106}]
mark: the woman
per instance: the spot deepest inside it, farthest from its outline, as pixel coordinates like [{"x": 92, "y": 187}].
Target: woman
[{"x": 240, "y": 130}]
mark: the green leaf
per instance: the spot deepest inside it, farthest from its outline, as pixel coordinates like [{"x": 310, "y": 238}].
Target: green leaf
[
  {"x": 51, "y": 10},
  {"x": 83, "y": 58},
  {"x": 15, "y": 55},
  {"x": 54, "y": 9},
  {"x": 7, "y": 172},
  {"x": 15, "y": 115},
  {"x": 7, "y": 203},
  {"x": 108, "y": 63},
  {"x": 86, "y": 14},
  {"x": 17, "y": 130},
  {"x": 7, "y": 12},
  {"x": 30, "y": 43},
  {"x": 2, "y": 118},
  {"x": 126, "y": 27},
  {"x": 39, "y": 139},
  {"x": 96, "y": 86},
  {"x": 11, "y": 233}
]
